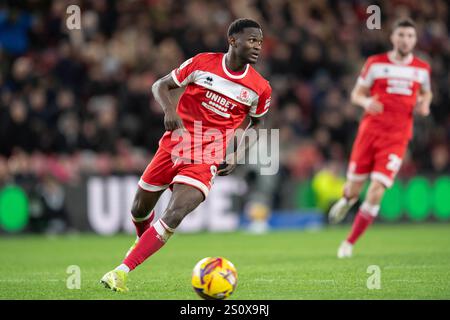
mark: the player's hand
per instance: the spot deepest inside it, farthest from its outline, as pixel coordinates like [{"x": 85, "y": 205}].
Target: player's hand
[
  {"x": 422, "y": 109},
  {"x": 172, "y": 121},
  {"x": 226, "y": 167},
  {"x": 373, "y": 106}
]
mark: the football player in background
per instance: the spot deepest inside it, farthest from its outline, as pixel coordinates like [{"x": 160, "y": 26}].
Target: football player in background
[{"x": 391, "y": 87}]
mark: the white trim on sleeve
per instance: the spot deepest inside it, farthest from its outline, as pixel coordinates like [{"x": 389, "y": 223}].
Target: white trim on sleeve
[
  {"x": 363, "y": 82},
  {"x": 251, "y": 114},
  {"x": 174, "y": 77},
  {"x": 426, "y": 85}
]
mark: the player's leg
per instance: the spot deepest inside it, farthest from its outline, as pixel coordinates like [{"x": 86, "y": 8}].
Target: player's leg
[
  {"x": 361, "y": 162},
  {"x": 388, "y": 159},
  {"x": 184, "y": 199},
  {"x": 153, "y": 182},
  {"x": 339, "y": 210},
  {"x": 142, "y": 217},
  {"x": 367, "y": 213},
  {"x": 190, "y": 186},
  {"x": 142, "y": 213}
]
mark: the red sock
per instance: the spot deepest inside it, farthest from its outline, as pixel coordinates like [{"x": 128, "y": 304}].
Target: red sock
[
  {"x": 361, "y": 223},
  {"x": 151, "y": 241},
  {"x": 144, "y": 224}
]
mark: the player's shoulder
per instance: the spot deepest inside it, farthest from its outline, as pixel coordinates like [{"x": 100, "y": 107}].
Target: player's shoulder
[
  {"x": 420, "y": 63},
  {"x": 261, "y": 83}
]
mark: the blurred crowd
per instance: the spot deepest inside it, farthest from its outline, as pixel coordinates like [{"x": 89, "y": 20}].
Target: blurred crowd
[{"x": 79, "y": 101}]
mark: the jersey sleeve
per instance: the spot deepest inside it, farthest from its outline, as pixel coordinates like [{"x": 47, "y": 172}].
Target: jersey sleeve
[
  {"x": 366, "y": 76},
  {"x": 426, "y": 82},
  {"x": 186, "y": 72},
  {"x": 261, "y": 107}
]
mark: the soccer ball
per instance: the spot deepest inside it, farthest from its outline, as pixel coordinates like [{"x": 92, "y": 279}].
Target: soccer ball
[{"x": 214, "y": 278}]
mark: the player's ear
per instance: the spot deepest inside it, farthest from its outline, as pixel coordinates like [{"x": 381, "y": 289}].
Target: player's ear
[{"x": 232, "y": 41}]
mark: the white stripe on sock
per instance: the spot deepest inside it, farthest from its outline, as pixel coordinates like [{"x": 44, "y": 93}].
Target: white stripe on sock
[
  {"x": 123, "y": 267},
  {"x": 370, "y": 208},
  {"x": 163, "y": 230}
]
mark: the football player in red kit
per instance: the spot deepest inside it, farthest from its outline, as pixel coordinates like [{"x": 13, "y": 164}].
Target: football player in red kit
[
  {"x": 221, "y": 91},
  {"x": 392, "y": 87}
]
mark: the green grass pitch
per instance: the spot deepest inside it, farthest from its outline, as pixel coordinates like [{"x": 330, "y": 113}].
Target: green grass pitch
[{"x": 414, "y": 260}]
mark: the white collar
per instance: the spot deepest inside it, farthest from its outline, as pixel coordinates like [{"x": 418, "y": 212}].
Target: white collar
[
  {"x": 228, "y": 73},
  {"x": 406, "y": 61}
]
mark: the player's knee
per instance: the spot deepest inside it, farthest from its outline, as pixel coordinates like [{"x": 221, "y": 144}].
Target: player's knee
[
  {"x": 139, "y": 209},
  {"x": 371, "y": 209},
  {"x": 375, "y": 192},
  {"x": 174, "y": 216},
  {"x": 352, "y": 190}
]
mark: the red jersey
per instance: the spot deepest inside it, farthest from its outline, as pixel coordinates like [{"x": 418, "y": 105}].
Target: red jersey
[
  {"x": 396, "y": 85},
  {"x": 219, "y": 98}
]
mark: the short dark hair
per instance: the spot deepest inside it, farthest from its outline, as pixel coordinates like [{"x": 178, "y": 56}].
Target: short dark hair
[
  {"x": 240, "y": 24},
  {"x": 404, "y": 22}
]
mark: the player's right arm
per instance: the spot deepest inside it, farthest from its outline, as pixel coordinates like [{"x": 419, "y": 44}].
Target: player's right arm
[
  {"x": 361, "y": 92},
  {"x": 160, "y": 90},
  {"x": 179, "y": 77},
  {"x": 256, "y": 114},
  {"x": 361, "y": 97}
]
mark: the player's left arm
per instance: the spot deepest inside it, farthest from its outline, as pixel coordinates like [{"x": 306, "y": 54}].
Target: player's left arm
[
  {"x": 241, "y": 148},
  {"x": 425, "y": 96},
  {"x": 423, "y": 103},
  {"x": 251, "y": 133}
]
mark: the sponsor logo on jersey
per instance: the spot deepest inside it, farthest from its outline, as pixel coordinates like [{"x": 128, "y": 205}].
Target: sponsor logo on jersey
[
  {"x": 400, "y": 86},
  {"x": 218, "y": 104}
]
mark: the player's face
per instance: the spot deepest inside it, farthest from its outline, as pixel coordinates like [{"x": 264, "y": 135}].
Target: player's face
[
  {"x": 404, "y": 39},
  {"x": 249, "y": 44}
]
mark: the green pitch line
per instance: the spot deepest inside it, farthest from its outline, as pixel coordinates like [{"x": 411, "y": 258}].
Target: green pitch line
[{"x": 414, "y": 261}]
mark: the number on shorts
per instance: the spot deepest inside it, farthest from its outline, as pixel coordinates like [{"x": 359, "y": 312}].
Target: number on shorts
[
  {"x": 394, "y": 163},
  {"x": 213, "y": 172}
]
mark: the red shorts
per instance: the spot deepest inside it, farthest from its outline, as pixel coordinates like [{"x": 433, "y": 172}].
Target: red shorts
[
  {"x": 379, "y": 156},
  {"x": 163, "y": 171}
]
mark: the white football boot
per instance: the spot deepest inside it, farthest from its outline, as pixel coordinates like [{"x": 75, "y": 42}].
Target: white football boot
[
  {"x": 345, "y": 250},
  {"x": 340, "y": 209}
]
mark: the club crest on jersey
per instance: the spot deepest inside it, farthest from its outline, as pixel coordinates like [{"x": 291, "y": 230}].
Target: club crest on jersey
[{"x": 244, "y": 96}]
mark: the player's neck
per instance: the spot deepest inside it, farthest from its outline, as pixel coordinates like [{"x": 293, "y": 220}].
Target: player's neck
[
  {"x": 233, "y": 63},
  {"x": 396, "y": 57}
]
